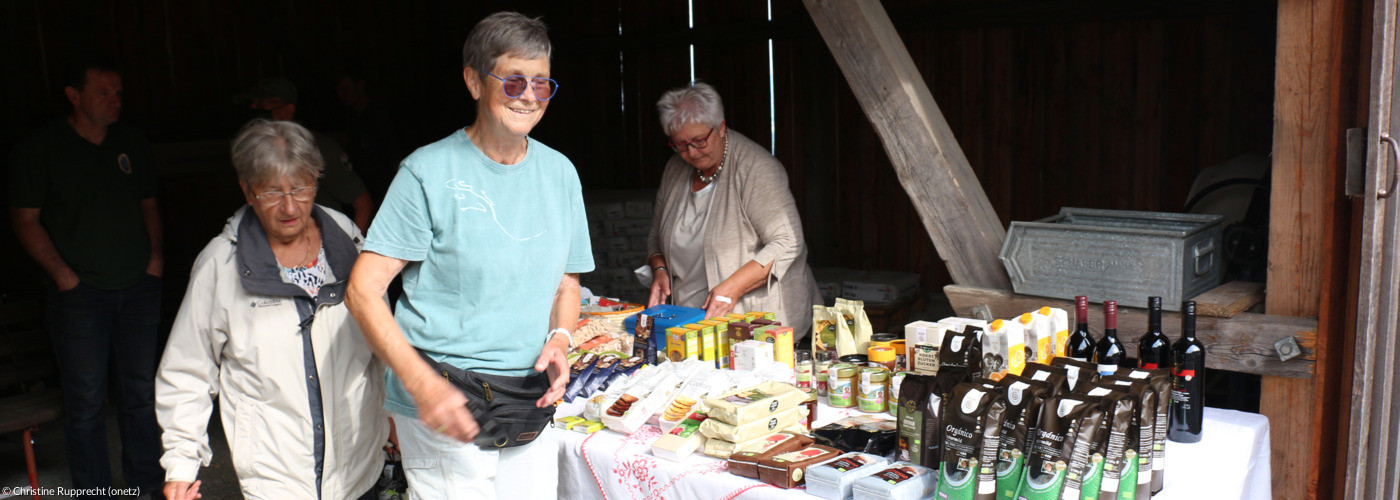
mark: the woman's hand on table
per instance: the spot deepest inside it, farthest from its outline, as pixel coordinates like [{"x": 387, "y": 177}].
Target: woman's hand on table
[{"x": 721, "y": 299}]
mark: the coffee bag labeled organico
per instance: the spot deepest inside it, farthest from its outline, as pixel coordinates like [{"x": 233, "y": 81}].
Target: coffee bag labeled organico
[
  {"x": 1121, "y": 436},
  {"x": 1144, "y": 421},
  {"x": 1061, "y": 455},
  {"x": 1057, "y": 377},
  {"x": 972, "y": 418},
  {"x": 961, "y": 354},
  {"x": 1160, "y": 382},
  {"x": 1024, "y": 398},
  {"x": 920, "y": 408},
  {"x": 1077, "y": 371}
]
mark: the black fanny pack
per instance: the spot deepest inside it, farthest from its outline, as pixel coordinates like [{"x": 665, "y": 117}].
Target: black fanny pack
[{"x": 504, "y": 407}]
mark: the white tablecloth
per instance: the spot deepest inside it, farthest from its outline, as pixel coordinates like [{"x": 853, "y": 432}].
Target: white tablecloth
[{"x": 1231, "y": 461}]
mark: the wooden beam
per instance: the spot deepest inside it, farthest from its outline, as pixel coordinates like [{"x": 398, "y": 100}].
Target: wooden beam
[
  {"x": 1309, "y": 223},
  {"x": 1229, "y": 299},
  {"x": 1243, "y": 343},
  {"x": 930, "y": 164}
]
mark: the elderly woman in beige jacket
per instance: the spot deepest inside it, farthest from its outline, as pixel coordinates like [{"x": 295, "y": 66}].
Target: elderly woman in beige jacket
[{"x": 726, "y": 236}]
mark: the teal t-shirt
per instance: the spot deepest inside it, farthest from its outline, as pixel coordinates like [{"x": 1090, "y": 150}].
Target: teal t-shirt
[
  {"x": 89, "y": 199},
  {"x": 487, "y": 246}
]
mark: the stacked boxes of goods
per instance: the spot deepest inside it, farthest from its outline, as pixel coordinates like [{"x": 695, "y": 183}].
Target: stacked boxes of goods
[{"x": 618, "y": 223}]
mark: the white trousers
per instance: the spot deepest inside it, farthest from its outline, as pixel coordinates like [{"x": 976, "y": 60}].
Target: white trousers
[{"x": 440, "y": 467}]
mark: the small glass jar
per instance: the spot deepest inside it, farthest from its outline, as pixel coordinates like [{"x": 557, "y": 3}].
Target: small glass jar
[
  {"x": 841, "y": 385},
  {"x": 802, "y": 363},
  {"x": 896, "y": 379},
  {"x": 901, "y": 354},
  {"x": 855, "y": 359},
  {"x": 811, "y": 404},
  {"x": 883, "y": 357},
  {"x": 823, "y": 364},
  {"x": 882, "y": 340},
  {"x": 874, "y": 390}
]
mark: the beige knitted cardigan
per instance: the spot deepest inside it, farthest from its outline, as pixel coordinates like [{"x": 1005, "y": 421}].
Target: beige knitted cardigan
[{"x": 752, "y": 217}]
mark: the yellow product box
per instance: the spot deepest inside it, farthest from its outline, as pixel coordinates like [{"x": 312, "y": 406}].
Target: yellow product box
[
  {"x": 707, "y": 340},
  {"x": 682, "y": 343},
  {"x": 765, "y": 315},
  {"x": 781, "y": 338},
  {"x": 732, "y": 317},
  {"x": 722, "y": 341}
]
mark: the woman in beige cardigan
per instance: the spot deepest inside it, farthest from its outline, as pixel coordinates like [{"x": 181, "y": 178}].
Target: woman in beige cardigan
[{"x": 726, "y": 236}]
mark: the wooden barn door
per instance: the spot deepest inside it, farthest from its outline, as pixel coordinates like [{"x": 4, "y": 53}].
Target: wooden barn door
[{"x": 1373, "y": 447}]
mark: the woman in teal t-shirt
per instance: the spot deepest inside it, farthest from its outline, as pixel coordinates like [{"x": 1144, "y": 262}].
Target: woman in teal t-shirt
[{"x": 488, "y": 228}]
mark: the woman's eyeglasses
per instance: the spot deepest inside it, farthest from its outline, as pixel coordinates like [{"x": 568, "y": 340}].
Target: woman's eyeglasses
[
  {"x": 274, "y": 198},
  {"x": 700, "y": 143},
  {"x": 514, "y": 86}
]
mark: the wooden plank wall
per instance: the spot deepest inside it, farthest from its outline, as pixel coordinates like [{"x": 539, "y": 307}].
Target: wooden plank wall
[{"x": 1092, "y": 103}]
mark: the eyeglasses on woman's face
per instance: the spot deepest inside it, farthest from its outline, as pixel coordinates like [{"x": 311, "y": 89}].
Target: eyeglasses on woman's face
[
  {"x": 514, "y": 86},
  {"x": 274, "y": 198},
  {"x": 700, "y": 143}
]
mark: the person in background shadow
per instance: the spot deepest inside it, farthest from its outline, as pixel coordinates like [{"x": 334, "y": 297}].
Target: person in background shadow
[
  {"x": 83, "y": 203},
  {"x": 372, "y": 136},
  {"x": 341, "y": 188}
]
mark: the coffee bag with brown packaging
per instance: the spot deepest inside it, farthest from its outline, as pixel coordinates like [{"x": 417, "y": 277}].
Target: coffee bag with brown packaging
[
  {"x": 973, "y": 415},
  {"x": 1146, "y": 423},
  {"x": 1024, "y": 398},
  {"x": 1056, "y": 377},
  {"x": 1077, "y": 371},
  {"x": 1121, "y": 436},
  {"x": 1161, "y": 383},
  {"x": 961, "y": 354},
  {"x": 1061, "y": 456}
]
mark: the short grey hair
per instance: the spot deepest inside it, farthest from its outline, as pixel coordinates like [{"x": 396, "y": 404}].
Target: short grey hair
[
  {"x": 267, "y": 150},
  {"x": 505, "y": 33},
  {"x": 697, "y": 103}
]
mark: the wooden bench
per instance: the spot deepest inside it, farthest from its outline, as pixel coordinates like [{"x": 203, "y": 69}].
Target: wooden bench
[{"x": 28, "y": 397}]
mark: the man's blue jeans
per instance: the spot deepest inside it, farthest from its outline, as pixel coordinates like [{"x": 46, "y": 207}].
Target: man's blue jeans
[{"x": 97, "y": 332}]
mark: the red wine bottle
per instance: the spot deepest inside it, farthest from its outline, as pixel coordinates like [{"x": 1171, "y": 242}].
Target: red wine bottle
[
  {"x": 1109, "y": 352},
  {"x": 1188, "y": 391},
  {"x": 1081, "y": 343},
  {"x": 1154, "y": 348}
]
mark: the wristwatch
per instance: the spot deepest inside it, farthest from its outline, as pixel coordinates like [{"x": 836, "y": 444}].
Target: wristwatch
[{"x": 564, "y": 331}]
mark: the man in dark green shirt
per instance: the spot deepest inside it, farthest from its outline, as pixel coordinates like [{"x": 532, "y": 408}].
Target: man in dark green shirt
[
  {"x": 82, "y": 199},
  {"x": 339, "y": 187}
]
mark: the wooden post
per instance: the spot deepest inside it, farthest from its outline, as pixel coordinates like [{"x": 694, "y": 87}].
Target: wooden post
[
  {"x": 1309, "y": 227},
  {"x": 931, "y": 166}
]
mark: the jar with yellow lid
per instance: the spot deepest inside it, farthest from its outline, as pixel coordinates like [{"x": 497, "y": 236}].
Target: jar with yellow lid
[
  {"x": 841, "y": 385},
  {"x": 883, "y": 357},
  {"x": 901, "y": 354},
  {"x": 874, "y": 390}
]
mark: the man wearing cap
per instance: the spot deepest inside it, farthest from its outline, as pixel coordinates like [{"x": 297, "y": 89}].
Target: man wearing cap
[
  {"x": 82, "y": 202},
  {"x": 339, "y": 187}
]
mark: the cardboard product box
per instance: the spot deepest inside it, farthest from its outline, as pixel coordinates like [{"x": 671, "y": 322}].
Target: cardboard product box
[
  {"x": 880, "y": 286},
  {"x": 707, "y": 340},
  {"x": 682, "y": 343},
  {"x": 752, "y": 354},
  {"x": 782, "y": 338},
  {"x": 637, "y": 243},
  {"x": 627, "y": 259},
  {"x": 722, "y": 342}
]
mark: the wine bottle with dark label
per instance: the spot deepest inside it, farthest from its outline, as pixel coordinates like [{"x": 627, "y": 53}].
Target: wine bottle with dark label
[
  {"x": 1154, "y": 348},
  {"x": 1188, "y": 391},
  {"x": 1109, "y": 352},
  {"x": 1081, "y": 343}
]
